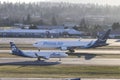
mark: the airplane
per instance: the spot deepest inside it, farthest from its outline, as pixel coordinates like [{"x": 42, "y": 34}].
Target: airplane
[
  {"x": 45, "y": 55},
  {"x": 43, "y": 33},
  {"x": 71, "y": 45}
]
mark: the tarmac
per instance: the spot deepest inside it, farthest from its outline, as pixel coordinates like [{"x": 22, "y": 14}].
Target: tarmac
[
  {"x": 66, "y": 61},
  {"x": 88, "y": 60},
  {"x": 93, "y": 61},
  {"x": 54, "y": 79}
]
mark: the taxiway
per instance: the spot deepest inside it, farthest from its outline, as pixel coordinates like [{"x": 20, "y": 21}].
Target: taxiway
[{"x": 66, "y": 61}]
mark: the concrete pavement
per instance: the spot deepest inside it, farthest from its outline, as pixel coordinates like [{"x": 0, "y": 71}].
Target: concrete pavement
[{"x": 55, "y": 61}]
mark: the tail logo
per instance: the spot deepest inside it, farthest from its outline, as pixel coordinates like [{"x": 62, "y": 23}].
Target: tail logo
[
  {"x": 14, "y": 48},
  {"x": 102, "y": 39}
]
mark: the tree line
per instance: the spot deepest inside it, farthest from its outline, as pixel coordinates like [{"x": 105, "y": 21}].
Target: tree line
[
  {"x": 43, "y": 12},
  {"x": 47, "y": 13}
]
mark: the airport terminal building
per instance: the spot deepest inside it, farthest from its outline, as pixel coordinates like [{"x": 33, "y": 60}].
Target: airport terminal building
[{"x": 40, "y": 33}]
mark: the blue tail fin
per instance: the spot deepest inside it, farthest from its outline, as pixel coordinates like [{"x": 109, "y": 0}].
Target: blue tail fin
[
  {"x": 101, "y": 41},
  {"x": 14, "y": 49}
]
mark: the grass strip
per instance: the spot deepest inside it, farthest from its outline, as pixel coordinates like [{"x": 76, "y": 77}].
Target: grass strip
[{"x": 60, "y": 71}]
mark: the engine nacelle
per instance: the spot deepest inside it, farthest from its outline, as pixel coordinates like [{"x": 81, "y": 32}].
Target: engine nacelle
[{"x": 63, "y": 48}]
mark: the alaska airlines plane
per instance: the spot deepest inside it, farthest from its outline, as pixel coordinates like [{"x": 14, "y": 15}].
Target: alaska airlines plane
[
  {"x": 70, "y": 45},
  {"x": 38, "y": 55}
]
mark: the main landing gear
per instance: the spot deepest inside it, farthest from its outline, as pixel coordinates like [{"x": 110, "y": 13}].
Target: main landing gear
[
  {"x": 38, "y": 59},
  {"x": 59, "y": 59},
  {"x": 39, "y": 50},
  {"x": 71, "y": 50}
]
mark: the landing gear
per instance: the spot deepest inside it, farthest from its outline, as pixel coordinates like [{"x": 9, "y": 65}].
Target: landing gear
[
  {"x": 39, "y": 50},
  {"x": 71, "y": 50},
  {"x": 59, "y": 59},
  {"x": 38, "y": 59}
]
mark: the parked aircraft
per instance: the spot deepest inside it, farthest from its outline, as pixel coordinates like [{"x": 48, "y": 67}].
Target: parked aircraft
[
  {"x": 70, "y": 45},
  {"x": 38, "y": 55}
]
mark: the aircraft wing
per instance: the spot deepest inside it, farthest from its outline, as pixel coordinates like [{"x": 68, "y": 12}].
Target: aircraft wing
[
  {"x": 42, "y": 55},
  {"x": 37, "y": 54}
]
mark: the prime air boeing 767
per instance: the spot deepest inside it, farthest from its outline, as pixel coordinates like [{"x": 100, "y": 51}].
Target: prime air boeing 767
[{"x": 70, "y": 45}]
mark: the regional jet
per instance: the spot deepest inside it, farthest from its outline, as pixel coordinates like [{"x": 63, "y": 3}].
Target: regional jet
[
  {"x": 38, "y": 55},
  {"x": 71, "y": 45}
]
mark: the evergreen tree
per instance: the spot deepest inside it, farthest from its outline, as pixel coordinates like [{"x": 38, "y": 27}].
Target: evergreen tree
[
  {"x": 41, "y": 22},
  {"x": 95, "y": 30},
  {"x": 83, "y": 25},
  {"x": 115, "y": 26},
  {"x": 54, "y": 22},
  {"x": 28, "y": 20}
]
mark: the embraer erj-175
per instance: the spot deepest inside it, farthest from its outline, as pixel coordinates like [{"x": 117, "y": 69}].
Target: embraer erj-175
[
  {"x": 70, "y": 45},
  {"x": 38, "y": 55}
]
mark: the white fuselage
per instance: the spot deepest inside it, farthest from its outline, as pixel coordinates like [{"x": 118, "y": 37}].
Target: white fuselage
[
  {"x": 61, "y": 44},
  {"x": 37, "y": 54},
  {"x": 46, "y": 55}
]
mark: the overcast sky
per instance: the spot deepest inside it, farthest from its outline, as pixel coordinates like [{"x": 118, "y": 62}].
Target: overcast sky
[{"x": 101, "y": 2}]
